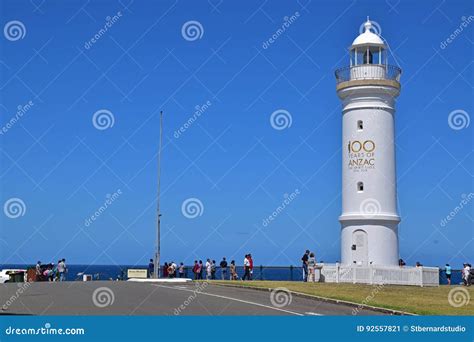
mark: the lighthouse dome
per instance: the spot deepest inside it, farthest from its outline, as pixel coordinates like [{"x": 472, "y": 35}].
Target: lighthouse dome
[{"x": 368, "y": 38}]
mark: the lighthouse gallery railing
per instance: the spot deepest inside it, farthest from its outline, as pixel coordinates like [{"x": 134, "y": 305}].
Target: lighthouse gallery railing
[{"x": 368, "y": 72}]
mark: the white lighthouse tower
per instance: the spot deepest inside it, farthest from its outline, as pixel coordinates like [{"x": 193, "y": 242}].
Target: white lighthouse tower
[{"x": 368, "y": 89}]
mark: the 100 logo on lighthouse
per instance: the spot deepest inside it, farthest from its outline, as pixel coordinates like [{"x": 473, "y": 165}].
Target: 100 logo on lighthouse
[{"x": 361, "y": 155}]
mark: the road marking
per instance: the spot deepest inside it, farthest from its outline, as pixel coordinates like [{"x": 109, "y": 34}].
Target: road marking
[
  {"x": 234, "y": 299},
  {"x": 312, "y": 314}
]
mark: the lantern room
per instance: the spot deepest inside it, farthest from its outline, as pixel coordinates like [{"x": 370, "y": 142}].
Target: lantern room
[{"x": 368, "y": 47}]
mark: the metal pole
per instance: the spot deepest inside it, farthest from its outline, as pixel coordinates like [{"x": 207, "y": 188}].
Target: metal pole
[{"x": 158, "y": 223}]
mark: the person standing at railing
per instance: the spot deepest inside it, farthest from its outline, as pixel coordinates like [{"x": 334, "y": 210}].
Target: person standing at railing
[
  {"x": 233, "y": 273},
  {"x": 38, "y": 271},
  {"x": 201, "y": 269},
  {"x": 250, "y": 266},
  {"x": 61, "y": 270},
  {"x": 196, "y": 270},
  {"x": 208, "y": 269},
  {"x": 304, "y": 259},
  {"x": 175, "y": 269},
  {"x": 223, "y": 265},
  {"x": 213, "y": 269},
  {"x": 311, "y": 266},
  {"x": 447, "y": 269},
  {"x": 151, "y": 268},
  {"x": 246, "y": 268}
]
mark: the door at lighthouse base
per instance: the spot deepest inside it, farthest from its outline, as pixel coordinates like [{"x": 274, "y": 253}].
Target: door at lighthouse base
[{"x": 359, "y": 247}]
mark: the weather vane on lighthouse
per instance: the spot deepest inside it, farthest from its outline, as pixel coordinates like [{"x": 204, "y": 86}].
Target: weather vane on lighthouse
[{"x": 368, "y": 88}]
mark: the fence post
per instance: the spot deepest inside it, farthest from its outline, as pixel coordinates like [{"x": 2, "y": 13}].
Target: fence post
[
  {"x": 291, "y": 272},
  {"x": 337, "y": 272},
  {"x": 421, "y": 275},
  {"x": 261, "y": 272},
  {"x": 371, "y": 274}
]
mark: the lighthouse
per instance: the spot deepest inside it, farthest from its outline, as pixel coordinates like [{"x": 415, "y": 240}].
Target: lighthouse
[{"x": 368, "y": 88}]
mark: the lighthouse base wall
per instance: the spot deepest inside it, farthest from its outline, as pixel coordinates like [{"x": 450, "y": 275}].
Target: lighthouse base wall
[{"x": 374, "y": 243}]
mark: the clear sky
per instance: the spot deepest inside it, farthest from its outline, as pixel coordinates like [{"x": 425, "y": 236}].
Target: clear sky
[{"x": 59, "y": 166}]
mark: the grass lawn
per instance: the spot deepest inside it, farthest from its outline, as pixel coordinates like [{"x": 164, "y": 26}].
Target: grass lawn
[{"x": 414, "y": 299}]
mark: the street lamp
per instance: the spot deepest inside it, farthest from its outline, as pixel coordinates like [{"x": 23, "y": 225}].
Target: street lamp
[{"x": 156, "y": 272}]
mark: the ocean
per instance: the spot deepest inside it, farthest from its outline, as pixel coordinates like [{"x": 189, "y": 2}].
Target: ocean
[{"x": 286, "y": 273}]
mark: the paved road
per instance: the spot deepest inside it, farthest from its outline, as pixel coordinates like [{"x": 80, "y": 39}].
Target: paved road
[{"x": 129, "y": 298}]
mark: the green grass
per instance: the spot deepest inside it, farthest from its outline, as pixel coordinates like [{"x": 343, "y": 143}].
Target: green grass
[{"x": 413, "y": 299}]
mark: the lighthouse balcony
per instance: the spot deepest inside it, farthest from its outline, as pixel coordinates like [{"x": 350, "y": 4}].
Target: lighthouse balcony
[{"x": 368, "y": 74}]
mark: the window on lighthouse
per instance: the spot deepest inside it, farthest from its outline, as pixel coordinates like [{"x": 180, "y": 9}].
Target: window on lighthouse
[
  {"x": 360, "y": 125},
  {"x": 360, "y": 187},
  {"x": 368, "y": 57}
]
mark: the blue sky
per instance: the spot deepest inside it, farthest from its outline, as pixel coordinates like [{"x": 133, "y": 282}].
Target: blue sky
[{"x": 55, "y": 160}]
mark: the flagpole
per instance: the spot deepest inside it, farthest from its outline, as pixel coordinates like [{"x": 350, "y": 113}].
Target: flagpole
[{"x": 158, "y": 223}]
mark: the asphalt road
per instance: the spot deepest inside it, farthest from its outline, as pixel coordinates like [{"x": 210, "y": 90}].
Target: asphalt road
[{"x": 129, "y": 298}]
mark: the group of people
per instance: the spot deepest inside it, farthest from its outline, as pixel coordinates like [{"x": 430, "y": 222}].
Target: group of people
[
  {"x": 170, "y": 269},
  {"x": 466, "y": 274},
  {"x": 309, "y": 264},
  {"x": 210, "y": 267},
  {"x": 51, "y": 272},
  {"x": 206, "y": 270}
]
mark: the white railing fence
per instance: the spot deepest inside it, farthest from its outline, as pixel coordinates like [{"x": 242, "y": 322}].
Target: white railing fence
[{"x": 374, "y": 274}]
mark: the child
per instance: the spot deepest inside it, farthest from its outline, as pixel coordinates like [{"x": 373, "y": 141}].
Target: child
[{"x": 233, "y": 273}]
